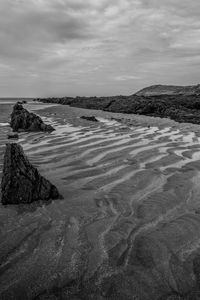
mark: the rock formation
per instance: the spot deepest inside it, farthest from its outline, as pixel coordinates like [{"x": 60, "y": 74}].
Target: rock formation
[
  {"x": 23, "y": 119},
  {"x": 22, "y": 102},
  {"x": 92, "y": 118},
  {"x": 21, "y": 182},
  {"x": 13, "y": 135}
]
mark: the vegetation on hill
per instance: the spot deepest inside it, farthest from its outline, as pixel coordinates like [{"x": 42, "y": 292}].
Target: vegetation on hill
[
  {"x": 169, "y": 90},
  {"x": 180, "y": 107}
]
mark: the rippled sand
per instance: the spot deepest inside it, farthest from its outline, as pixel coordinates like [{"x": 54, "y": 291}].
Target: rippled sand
[{"x": 129, "y": 222}]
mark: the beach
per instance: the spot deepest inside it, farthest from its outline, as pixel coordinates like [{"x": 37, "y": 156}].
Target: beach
[{"x": 128, "y": 223}]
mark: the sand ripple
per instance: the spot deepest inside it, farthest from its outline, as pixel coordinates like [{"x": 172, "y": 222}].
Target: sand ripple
[{"x": 129, "y": 220}]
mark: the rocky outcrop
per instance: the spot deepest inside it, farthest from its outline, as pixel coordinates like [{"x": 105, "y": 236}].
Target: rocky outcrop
[
  {"x": 92, "y": 118},
  {"x": 22, "y": 102},
  {"x": 13, "y": 135},
  {"x": 22, "y": 119},
  {"x": 21, "y": 182}
]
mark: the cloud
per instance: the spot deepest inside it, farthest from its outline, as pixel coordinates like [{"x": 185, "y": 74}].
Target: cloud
[
  {"x": 125, "y": 77},
  {"x": 51, "y": 47},
  {"x": 34, "y": 28}
]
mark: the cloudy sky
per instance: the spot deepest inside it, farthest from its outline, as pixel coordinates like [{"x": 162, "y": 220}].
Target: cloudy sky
[{"x": 97, "y": 47}]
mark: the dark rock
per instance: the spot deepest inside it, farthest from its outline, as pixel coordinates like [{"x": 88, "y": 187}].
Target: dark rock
[
  {"x": 21, "y": 182},
  {"x": 22, "y": 102},
  {"x": 116, "y": 119},
  {"x": 23, "y": 119},
  {"x": 21, "y": 130},
  {"x": 93, "y": 119},
  {"x": 13, "y": 135}
]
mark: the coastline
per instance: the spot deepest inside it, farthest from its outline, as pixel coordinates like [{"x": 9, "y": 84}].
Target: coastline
[
  {"x": 181, "y": 108},
  {"x": 124, "y": 118}
]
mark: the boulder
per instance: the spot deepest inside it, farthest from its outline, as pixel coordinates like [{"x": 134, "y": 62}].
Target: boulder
[
  {"x": 22, "y": 102},
  {"x": 23, "y": 119},
  {"x": 13, "y": 135},
  {"x": 92, "y": 118},
  {"x": 21, "y": 182},
  {"x": 116, "y": 119}
]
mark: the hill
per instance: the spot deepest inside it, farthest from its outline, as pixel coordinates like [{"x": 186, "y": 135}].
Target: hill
[{"x": 169, "y": 90}]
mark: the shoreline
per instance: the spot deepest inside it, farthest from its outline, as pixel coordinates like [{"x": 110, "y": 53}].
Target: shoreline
[
  {"x": 128, "y": 119},
  {"x": 182, "y": 108}
]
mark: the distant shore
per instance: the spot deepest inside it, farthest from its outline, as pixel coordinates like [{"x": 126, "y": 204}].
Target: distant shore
[{"x": 180, "y": 108}]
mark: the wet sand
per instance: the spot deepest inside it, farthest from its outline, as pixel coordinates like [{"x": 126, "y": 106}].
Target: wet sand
[{"x": 129, "y": 222}]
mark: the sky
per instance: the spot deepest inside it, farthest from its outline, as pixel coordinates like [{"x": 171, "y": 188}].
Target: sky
[{"x": 97, "y": 47}]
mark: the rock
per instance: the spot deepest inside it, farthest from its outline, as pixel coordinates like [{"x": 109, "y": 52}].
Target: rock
[
  {"x": 21, "y": 182},
  {"x": 23, "y": 119},
  {"x": 116, "y": 119},
  {"x": 13, "y": 135},
  {"x": 92, "y": 118},
  {"x": 21, "y": 130},
  {"x": 22, "y": 102}
]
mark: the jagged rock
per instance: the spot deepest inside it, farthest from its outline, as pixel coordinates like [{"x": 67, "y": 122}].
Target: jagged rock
[
  {"x": 13, "y": 135},
  {"x": 23, "y": 119},
  {"x": 21, "y": 182},
  {"x": 93, "y": 119}
]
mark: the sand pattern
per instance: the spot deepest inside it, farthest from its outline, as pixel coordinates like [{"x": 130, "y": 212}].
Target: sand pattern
[{"x": 128, "y": 225}]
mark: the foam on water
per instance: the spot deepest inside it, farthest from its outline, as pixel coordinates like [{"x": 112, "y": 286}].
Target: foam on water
[
  {"x": 38, "y": 106},
  {"x": 109, "y": 122},
  {"x": 7, "y": 102},
  {"x": 4, "y": 124}
]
